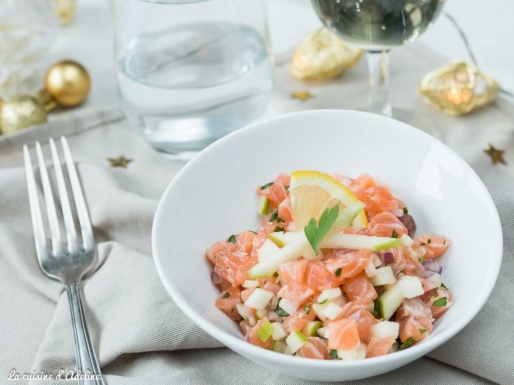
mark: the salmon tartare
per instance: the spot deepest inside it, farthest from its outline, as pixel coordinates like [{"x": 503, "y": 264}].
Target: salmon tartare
[{"x": 335, "y": 270}]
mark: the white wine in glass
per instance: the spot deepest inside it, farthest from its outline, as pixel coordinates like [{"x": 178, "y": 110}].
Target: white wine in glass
[{"x": 377, "y": 26}]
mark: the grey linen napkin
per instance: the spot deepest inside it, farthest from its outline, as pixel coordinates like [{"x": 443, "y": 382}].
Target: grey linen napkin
[{"x": 140, "y": 335}]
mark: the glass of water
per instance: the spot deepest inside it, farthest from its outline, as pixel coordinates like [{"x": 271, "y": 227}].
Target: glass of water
[
  {"x": 377, "y": 26},
  {"x": 191, "y": 71}
]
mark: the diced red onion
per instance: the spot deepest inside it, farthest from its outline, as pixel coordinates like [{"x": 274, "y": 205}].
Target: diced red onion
[
  {"x": 388, "y": 258},
  {"x": 409, "y": 223},
  {"x": 216, "y": 279},
  {"x": 424, "y": 273},
  {"x": 433, "y": 266}
]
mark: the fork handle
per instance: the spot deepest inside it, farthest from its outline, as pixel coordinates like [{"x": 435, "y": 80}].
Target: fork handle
[{"x": 86, "y": 357}]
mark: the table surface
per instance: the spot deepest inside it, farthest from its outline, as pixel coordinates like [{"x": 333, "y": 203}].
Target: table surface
[{"x": 89, "y": 40}]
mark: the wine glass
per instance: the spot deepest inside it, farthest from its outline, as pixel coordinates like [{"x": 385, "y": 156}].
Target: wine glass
[{"x": 377, "y": 26}]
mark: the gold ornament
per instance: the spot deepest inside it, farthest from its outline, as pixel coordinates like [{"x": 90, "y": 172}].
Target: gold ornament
[
  {"x": 321, "y": 55},
  {"x": 68, "y": 83},
  {"x": 458, "y": 88},
  {"x": 65, "y": 9},
  {"x": 301, "y": 95},
  {"x": 120, "y": 161},
  {"x": 495, "y": 155},
  {"x": 19, "y": 112}
]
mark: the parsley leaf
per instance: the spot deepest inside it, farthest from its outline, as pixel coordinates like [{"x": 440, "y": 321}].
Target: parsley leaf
[
  {"x": 429, "y": 241},
  {"x": 232, "y": 239},
  {"x": 338, "y": 272},
  {"x": 273, "y": 217},
  {"x": 422, "y": 260},
  {"x": 333, "y": 354},
  {"x": 255, "y": 232},
  {"x": 405, "y": 210},
  {"x": 226, "y": 295},
  {"x": 286, "y": 188},
  {"x": 395, "y": 234},
  {"x": 278, "y": 229},
  {"x": 408, "y": 343},
  {"x": 316, "y": 232},
  {"x": 267, "y": 185},
  {"x": 422, "y": 244},
  {"x": 307, "y": 309},
  {"x": 279, "y": 220},
  {"x": 440, "y": 302},
  {"x": 443, "y": 285},
  {"x": 422, "y": 331},
  {"x": 281, "y": 312}
]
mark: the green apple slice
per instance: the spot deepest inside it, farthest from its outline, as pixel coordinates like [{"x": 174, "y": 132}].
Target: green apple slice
[
  {"x": 269, "y": 267},
  {"x": 267, "y": 250},
  {"x": 311, "y": 329},
  {"x": 346, "y": 217},
  {"x": 295, "y": 341},
  {"x": 390, "y": 301},
  {"x": 360, "y": 242},
  {"x": 263, "y": 205}
]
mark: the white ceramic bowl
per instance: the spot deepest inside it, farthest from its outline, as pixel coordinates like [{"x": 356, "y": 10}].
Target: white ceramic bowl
[{"x": 214, "y": 196}]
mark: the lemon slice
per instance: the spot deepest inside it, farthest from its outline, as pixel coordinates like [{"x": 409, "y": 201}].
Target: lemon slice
[{"x": 312, "y": 192}]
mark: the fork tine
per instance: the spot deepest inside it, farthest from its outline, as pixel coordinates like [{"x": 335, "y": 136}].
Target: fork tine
[
  {"x": 50, "y": 204},
  {"x": 35, "y": 209},
  {"x": 71, "y": 233},
  {"x": 78, "y": 195}
]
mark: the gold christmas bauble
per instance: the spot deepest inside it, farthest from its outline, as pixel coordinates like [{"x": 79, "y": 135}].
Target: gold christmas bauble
[
  {"x": 68, "y": 83},
  {"x": 458, "y": 88},
  {"x": 321, "y": 55},
  {"x": 19, "y": 112}
]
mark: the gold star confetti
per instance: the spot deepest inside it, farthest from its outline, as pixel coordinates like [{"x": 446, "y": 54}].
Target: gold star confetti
[
  {"x": 120, "y": 161},
  {"x": 301, "y": 95},
  {"x": 495, "y": 154}
]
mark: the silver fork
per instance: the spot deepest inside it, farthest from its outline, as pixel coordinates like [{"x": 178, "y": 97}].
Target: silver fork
[{"x": 66, "y": 261}]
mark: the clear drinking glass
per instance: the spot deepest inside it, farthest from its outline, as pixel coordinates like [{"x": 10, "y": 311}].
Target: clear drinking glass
[
  {"x": 191, "y": 71},
  {"x": 377, "y": 26}
]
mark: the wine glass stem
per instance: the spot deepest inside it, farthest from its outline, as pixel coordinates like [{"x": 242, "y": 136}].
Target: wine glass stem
[{"x": 378, "y": 63}]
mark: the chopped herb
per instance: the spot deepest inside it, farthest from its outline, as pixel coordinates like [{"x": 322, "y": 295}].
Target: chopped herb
[
  {"x": 281, "y": 312},
  {"x": 255, "y": 232},
  {"x": 307, "y": 309},
  {"x": 405, "y": 210},
  {"x": 232, "y": 239},
  {"x": 338, "y": 272},
  {"x": 333, "y": 354},
  {"x": 444, "y": 242},
  {"x": 407, "y": 343},
  {"x": 429, "y": 241},
  {"x": 422, "y": 260},
  {"x": 286, "y": 188},
  {"x": 273, "y": 217},
  {"x": 443, "y": 285},
  {"x": 376, "y": 310},
  {"x": 422, "y": 331},
  {"x": 422, "y": 244},
  {"x": 267, "y": 185},
  {"x": 279, "y": 220},
  {"x": 323, "y": 302},
  {"x": 440, "y": 302},
  {"x": 226, "y": 295},
  {"x": 395, "y": 234},
  {"x": 278, "y": 229},
  {"x": 316, "y": 232}
]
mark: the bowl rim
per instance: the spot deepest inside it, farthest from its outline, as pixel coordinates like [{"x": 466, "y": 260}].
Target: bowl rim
[{"x": 248, "y": 349}]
